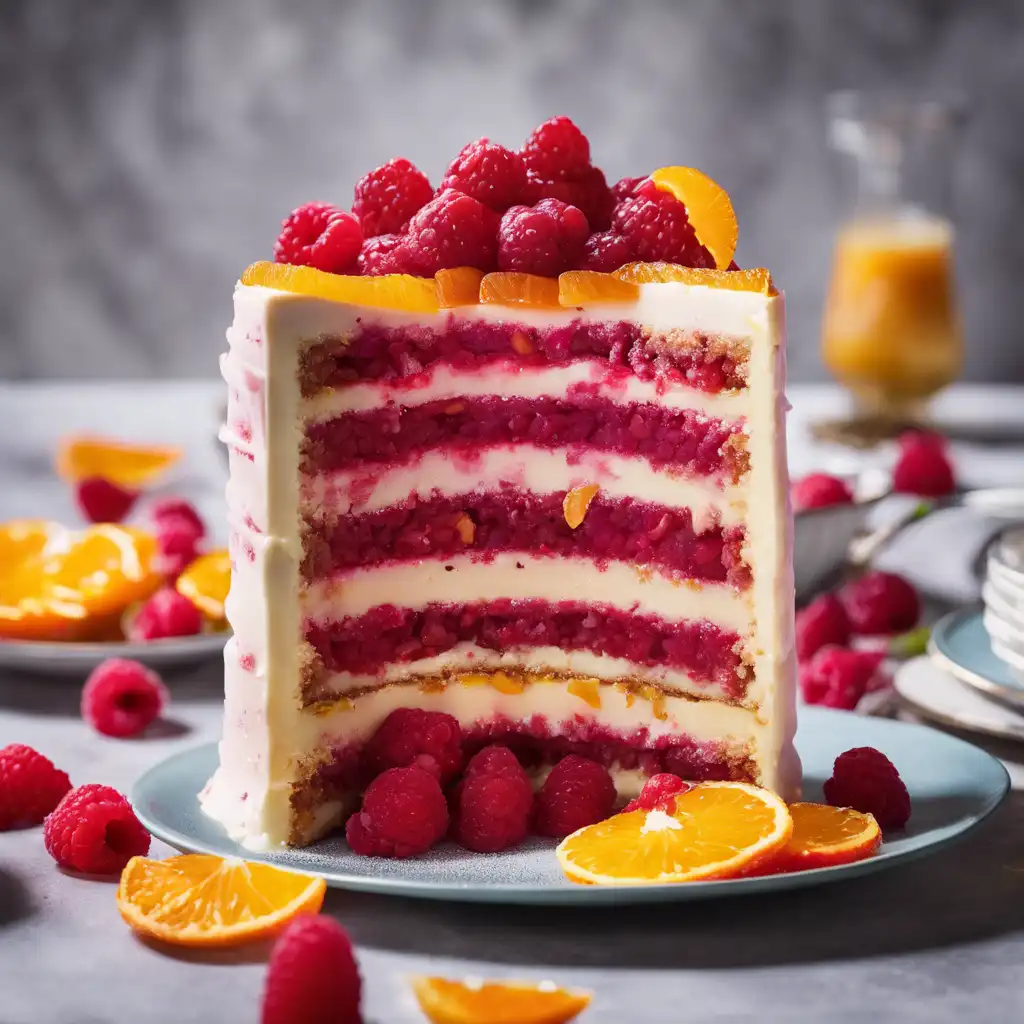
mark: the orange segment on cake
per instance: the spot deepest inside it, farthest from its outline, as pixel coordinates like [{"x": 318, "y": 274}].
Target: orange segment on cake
[{"x": 565, "y": 525}]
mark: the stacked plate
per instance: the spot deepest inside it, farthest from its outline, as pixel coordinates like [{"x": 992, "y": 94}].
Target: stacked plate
[{"x": 1003, "y": 594}]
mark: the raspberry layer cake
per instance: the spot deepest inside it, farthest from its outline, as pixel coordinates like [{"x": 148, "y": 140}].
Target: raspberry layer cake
[{"x": 510, "y": 463}]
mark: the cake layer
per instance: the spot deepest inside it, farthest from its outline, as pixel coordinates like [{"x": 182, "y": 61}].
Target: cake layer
[{"x": 483, "y": 524}]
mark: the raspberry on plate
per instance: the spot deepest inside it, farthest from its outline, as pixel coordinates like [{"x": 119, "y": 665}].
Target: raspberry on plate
[
  {"x": 658, "y": 794},
  {"x": 820, "y": 490},
  {"x": 923, "y": 466},
  {"x": 556, "y": 150},
  {"x": 491, "y": 174},
  {"x": 181, "y": 512},
  {"x": 606, "y": 251},
  {"x": 30, "y": 786},
  {"x": 177, "y": 544},
  {"x": 880, "y": 603},
  {"x": 824, "y": 621},
  {"x": 319, "y": 235},
  {"x": 386, "y": 198},
  {"x": 404, "y": 813},
  {"x": 577, "y": 792},
  {"x": 452, "y": 230},
  {"x": 381, "y": 255},
  {"x": 167, "y": 613},
  {"x": 491, "y": 805},
  {"x": 103, "y": 501},
  {"x": 312, "y": 977},
  {"x": 838, "y": 677},
  {"x": 409, "y": 734},
  {"x": 658, "y": 228},
  {"x": 866, "y": 780},
  {"x": 95, "y": 833},
  {"x": 122, "y": 697},
  {"x": 545, "y": 239}
]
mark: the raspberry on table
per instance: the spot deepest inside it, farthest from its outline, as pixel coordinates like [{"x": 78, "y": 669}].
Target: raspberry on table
[
  {"x": 576, "y": 793},
  {"x": 410, "y": 733},
  {"x": 824, "y": 621},
  {"x": 381, "y": 255},
  {"x": 658, "y": 794},
  {"x": 866, "y": 780},
  {"x": 122, "y": 697},
  {"x": 178, "y": 511},
  {"x": 923, "y": 466},
  {"x": 491, "y": 174},
  {"x": 492, "y": 804},
  {"x": 313, "y": 976},
  {"x": 658, "y": 228},
  {"x": 606, "y": 251},
  {"x": 31, "y": 786},
  {"x": 820, "y": 490},
  {"x": 556, "y": 150},
  {"x": 452, "y": 230},
  {"x": 404, "y": 813},
  {"x": 167, "y": 613},
  {"x": 319, "y": 235},
  {"x": 837, "y": 677},
  {"x": 95, "y": 834},
  {"x": 103, "y": 501},
  {"x": 545, "y": 239},
  {"x": 386, "y": 198},
  {"x": 880, "y": 603}
]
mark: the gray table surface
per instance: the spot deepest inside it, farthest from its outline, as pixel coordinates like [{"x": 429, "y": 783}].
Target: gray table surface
[{"x": 940, "y": 940}]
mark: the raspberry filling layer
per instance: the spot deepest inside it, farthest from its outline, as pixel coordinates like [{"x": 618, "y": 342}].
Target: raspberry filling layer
[
  {"x": 679, "y": 439},
  {"x": 622, "y": 530},
  {"x": 376, "y": 352},
  {"x": 388, "y": 634}
]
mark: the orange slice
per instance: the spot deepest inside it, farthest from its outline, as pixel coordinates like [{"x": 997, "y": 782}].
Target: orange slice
[
  {"x": 824, "y": 835},
  {"x": 707, "y": 205},
  {"x": 493, "y": 1002},
  {"x": 458, "y": 287},
  {"x": 391, "y": 291},
  {"x": 580, "y": 287},
  {"x": 510, "y": 289},
  {"x": 200, "y": 900},
  {"x": 129, "y": 465},
  {"x": 733, "y": 280},
  {"x": 576, "y": 502},
  {"x": 717, "y": 830},
  {"x": 205, "y": 583},
  {"x": 58, "y": 584}
]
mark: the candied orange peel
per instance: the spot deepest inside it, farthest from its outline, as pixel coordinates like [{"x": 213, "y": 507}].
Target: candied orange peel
[
  {"x": 445, "y": 1001},
  {"x": 759, "y": 280},
  {"x": 205, "y": 582},
  {"x": 576, "y": 502},
  {"x": 582, "y": 287},
  {"x": 513, "y": 289},
  {"x": 131, "y": 466},
  {"x": 707, "y": 205},
  {"x": 459, "y": 286}
]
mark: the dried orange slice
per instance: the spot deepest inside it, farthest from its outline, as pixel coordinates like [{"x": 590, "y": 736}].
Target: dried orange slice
[
  {"x": 707, "y": 205},
  {"x": 205, "y": 583},
  {"x": 494, "y": 1002},
  {"x": 129, "y": 465},
  {"x": 458, "y": 287},
  {"x": 390, "y": 291},
  {"x": 717, "y": 830},
  {"x": 824, "y": 835},
  {"x": 511, "y": 289},
  {"x": 580, "y": 287},
  {"x": 199, "y": 900},
  {"x": 733, "y": 280},
  {"x": 58, "y": 584}
]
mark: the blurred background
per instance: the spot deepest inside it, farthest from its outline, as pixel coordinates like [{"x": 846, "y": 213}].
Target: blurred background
[{"x": 151, "y": 149}]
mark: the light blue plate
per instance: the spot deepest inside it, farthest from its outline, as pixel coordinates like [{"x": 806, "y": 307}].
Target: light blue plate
[
  {"x": 960, "y": 644},
  {"x": 953, "y": 785}
]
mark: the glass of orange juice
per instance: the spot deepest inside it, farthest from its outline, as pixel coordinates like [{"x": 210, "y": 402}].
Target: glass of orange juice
[{"x": 891, "y": 330}]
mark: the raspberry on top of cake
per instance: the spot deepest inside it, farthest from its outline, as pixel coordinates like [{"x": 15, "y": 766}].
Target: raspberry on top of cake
[{"x": 511, "y": 449}]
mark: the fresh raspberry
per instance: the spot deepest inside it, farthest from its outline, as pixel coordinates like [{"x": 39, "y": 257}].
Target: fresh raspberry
[
  {"x": 176, "y": 509},
  {"x": 386, "y": 198},
  {"x": 177, "y": 545},
  {"x": 95, "y": 836},
  {"x": 452, "y": 230},
  {"x": 382, "y": 255},
  {"x": 588, "y": 192},
  {"x": 91, "y": 793},
  {"x": 544, "y": 239},
  {"x": 866, "y": 780},
  {"x": 576, "y": 793},
  {"x": 30, "y": 786},
  {"x": 625, "y": 188},
  {"x": 923, "y": 466},
  {"x": 121, "y": 697},
  {"x": 556, "y": 150},
  {"x": 838, "y": 677},
  {"x": 319, "y": 235},
  {"x": 491, "y": 174},
  {"x": 824, "y": 621},
  {"x": 606, "y": 251},
  {"x": 657, "y": 227},
  {"x": 658, "y": 794},
  {"x": 410, "y": 733},
  {"x": 312, "y": 977},
  {"x": 404, "y": 813},
  {"x": 819, "y": 490},
  {"x": 880, "y": 603},
  {"x": 102, "y": 501},
  {"x": 167, "y": 613},
  {"x": 491, "y": 806}
]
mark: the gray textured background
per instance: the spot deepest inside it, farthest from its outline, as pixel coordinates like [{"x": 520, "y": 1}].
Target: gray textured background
[{"x": 150, "y": 149}]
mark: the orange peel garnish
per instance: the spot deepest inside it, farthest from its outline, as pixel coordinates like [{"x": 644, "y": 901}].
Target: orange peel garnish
[
  {"x": 707, "y": 205},
  {"x": 205, "y": 582},
  {"x": 582, "y": 287},
  {"x": 824, "y": 836},
  {"x": 576, "y": 502},
  {"x": 131, "y": 466},
  {"x": 513, "y": 289},
  {"x": 459, "y": 286},
  {"x": 758, "y": 280},
  {"x": 444, "y": 1001}
]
